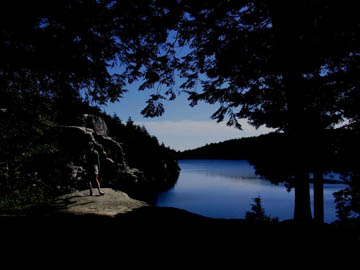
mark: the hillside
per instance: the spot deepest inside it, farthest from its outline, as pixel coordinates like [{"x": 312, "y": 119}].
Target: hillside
[
  {"x": 336, "y": 153},
  {"x": 244, "y": 148}
]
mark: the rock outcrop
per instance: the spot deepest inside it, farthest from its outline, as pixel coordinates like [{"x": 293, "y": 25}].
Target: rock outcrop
[
  {"x": 115, "y": 171},
  {"x": 96, "y": 123},
  {"x": 111, "y": 204}
]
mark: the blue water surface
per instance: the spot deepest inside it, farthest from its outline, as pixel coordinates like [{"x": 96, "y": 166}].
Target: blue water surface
[{"x": 226, "y": 189}]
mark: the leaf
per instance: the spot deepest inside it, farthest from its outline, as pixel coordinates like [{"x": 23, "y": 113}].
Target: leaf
[{"x": 153, "y": 109}]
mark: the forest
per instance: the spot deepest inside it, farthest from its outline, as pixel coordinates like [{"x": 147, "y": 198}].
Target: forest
[{"x": 339, "y": 149}]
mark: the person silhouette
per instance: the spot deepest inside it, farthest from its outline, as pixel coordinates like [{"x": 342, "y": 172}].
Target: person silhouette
[{"x": 92, "y": 166}]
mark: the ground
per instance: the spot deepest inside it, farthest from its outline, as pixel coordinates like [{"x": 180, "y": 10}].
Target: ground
[
  {"x": 117, "y": 224},
  {"x": 110, "y": 204}
]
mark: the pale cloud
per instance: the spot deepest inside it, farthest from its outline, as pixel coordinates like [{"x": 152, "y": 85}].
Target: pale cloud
[{"x": 189, "y": 134}]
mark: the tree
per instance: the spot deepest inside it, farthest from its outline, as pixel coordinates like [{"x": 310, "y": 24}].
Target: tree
[
  {"x": 257, "y": 213},
  {"x": 56, "y": 54},
  {"x": 67, "y": 48},
  {"x": 289, "y": 65},
  {"x": 276, "y": 63}
]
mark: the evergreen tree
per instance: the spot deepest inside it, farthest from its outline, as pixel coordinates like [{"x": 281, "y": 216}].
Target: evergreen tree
[{"x": 288, "y": 65}]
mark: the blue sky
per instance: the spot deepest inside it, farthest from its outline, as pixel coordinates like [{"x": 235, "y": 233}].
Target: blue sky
[{"x": 181, "y": 127}]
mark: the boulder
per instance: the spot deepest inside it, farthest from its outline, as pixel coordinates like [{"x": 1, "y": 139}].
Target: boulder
[{"x": 96, "y": 123}]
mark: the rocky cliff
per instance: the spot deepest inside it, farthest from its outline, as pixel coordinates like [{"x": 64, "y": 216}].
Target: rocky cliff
[{"x": 115, "y": 169}]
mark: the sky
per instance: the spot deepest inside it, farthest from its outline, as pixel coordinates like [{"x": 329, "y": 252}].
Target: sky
[{"x": 181, "y": 127}]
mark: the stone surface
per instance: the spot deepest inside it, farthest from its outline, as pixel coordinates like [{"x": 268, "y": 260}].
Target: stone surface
[
  {"x": 96, "y": 123},
  {"x": 114, "y": 168},
  {"x": 111, "y": 204},
  {"x": 116, "y": 171}
]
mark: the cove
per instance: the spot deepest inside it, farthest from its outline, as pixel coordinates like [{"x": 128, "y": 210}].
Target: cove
[{"x": 226, "y": 189}]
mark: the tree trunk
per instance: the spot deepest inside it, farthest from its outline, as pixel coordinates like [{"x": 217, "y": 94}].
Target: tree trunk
[
  {"x": 302, "y": 211},
  {"x": 298, "y": 130},
  {"x": 318, "y": 197}
]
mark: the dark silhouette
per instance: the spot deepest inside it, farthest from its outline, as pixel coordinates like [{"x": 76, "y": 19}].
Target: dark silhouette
[
  {"x": 59, "y": 49},
  {"x": 283, "y": 64},
  {"x": 257, "y": 213}
]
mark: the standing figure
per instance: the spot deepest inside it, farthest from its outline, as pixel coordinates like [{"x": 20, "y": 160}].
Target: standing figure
[{"x": 92, "y": 165}]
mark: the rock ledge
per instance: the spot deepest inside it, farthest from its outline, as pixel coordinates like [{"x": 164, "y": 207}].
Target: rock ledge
[{"x": 111, "y": 204}]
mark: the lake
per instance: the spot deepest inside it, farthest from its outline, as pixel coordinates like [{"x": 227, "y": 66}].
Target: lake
[{"x": 226, "y": 189}]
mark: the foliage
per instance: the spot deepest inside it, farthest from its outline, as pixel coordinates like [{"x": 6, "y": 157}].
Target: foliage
[
  {"x": 257, "y": 213},
  {"x": 25, "y": 153},
  {"x": 348, "y": 201},
  {"x": 143, "y": 151},
  {"x": 286, "y": 65},
  {"x": 67, "y": 48},
  {"x": 54, "y": 55}
]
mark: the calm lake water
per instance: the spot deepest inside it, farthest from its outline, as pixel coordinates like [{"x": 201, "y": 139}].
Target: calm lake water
[{"x": 226, "y": 189}]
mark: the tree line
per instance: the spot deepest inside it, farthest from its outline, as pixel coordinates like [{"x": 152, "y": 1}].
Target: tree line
[
  {"x": 273, "y": 151},
  {"x": 272, "y": 157}
]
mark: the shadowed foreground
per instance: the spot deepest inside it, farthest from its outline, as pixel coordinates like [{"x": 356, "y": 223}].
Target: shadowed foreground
[{"x": 163, "y": 231}]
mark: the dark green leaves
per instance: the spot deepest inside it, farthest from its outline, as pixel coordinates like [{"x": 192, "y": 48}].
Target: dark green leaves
[{"x": 154, "y": 107}]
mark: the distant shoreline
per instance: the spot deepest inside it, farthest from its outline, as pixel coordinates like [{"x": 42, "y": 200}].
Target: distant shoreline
[{"x": 325, "y": 180}]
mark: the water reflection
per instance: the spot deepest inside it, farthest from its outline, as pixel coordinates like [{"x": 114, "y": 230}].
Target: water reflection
[{"x": 226, "y": 189}]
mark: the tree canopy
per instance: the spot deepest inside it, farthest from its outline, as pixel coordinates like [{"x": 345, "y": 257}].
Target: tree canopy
[
  {"x": 267, "y": 61},
  {"x": 289, "y": 65},
  {"x": 68, "y": 47},
  {"x": 273, "y": 62}
]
